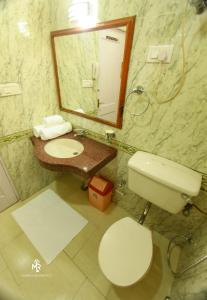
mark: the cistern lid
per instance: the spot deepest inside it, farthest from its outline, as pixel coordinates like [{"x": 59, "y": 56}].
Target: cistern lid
[
  {"x": 125, "y": 252},
  {"x": 167, "y": 172}
]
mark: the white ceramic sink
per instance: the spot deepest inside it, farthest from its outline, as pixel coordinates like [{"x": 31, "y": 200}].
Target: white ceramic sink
[{"x": 64, "y": 148}]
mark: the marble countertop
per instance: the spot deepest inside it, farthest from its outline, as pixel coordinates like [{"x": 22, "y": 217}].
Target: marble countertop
[{"x": 94, "y": 157}]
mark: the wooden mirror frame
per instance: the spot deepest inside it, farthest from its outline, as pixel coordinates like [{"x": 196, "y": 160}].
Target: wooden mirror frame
[{"x": 129, "y": 22}]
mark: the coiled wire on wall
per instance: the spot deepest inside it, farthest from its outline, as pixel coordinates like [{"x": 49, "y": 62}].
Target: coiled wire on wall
[
  {"x": 182, "y": 79},
  {"x": 140, "y": 90}
]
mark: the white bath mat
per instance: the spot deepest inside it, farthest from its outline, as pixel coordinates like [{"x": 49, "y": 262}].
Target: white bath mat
[{"x": 49, "y": 223}]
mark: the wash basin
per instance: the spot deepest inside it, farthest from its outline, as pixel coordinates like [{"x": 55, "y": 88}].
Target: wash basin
[
  {"x": 64, "y": 148},
  {"x": 94, "y": 157}
]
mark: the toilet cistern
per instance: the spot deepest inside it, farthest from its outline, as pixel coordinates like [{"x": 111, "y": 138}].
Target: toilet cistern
[
  {"x": 125, "y": 252},
  {"x": 162, "y": 182}
]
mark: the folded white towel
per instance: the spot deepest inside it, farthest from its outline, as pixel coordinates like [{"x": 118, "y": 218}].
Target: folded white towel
[
  {"x": 53, "y": 120},
  {"x": 37, "y": 129},
  {"x": 55, "y": 131}
]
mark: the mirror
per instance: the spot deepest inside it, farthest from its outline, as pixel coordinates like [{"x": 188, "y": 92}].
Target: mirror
[{"x": 91, "y": 69}]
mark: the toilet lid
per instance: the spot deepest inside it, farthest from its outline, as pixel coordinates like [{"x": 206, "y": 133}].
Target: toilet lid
[{"x": 125, "y": 252}]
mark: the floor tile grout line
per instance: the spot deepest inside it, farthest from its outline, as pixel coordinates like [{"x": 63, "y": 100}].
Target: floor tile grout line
[
  {"x": 80, "y": 287},
  {"x": 8, "y": 267},
  {"x": 86, "y": 277},
  {"x": 97, "y": 288},
  {"x": 4, "y": 246},
  {"x": 4, "y": 261},
  {"x": 18, "y": 235},
  {"x": 92, "y": 279},
  {"x": 72, "y": 258},
  {"x": 75, "y": 263},
  {"x": 84, "y": 274}
]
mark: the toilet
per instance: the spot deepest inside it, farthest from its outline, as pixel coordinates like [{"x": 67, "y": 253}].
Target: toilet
[{"x": 126, "y": 249}]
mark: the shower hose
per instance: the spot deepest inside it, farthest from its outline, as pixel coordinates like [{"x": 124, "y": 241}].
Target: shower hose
[
  {"x": 171, "y": 246},
  {"x": 188, "y": 238}
]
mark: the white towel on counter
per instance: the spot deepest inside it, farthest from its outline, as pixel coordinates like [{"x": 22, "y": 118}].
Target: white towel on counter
[
  {"x": 37, "y": 129},
  {"x": 53, "y": 120},
  {"x": 55, "y": 131}
]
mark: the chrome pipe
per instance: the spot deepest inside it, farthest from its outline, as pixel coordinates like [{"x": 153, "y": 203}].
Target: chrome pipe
[
  {"x": 145, "y": 213},
  {"x": 169, "y": 250}
]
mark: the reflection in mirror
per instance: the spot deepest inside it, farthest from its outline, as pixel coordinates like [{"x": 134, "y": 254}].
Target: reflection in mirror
[
  {"x": 92, "y": 67},
  {"x": 90, "y": 72}
]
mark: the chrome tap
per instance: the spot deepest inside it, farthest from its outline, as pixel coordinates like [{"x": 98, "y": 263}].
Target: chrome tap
[{"x": 80, "y": 132}]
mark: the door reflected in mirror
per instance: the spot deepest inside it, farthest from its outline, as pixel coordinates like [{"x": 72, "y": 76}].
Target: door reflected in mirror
[{"x": 91, "y": 68}]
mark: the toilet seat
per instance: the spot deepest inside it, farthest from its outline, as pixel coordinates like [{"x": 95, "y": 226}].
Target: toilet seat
[{"x": 125, "y": 252}]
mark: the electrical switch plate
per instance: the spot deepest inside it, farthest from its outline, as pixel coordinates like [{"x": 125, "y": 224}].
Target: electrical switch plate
[
  {"x": 9, "y": 89},
  {"x": 160, "y": 54},
  {"x": 153, "y": 52},
  {"x": 87, "y": 83}
]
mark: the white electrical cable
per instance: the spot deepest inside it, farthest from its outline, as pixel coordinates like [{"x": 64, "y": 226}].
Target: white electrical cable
[
  {"x": 182, "y": 76},
  {"x": 183, "y": 61}
]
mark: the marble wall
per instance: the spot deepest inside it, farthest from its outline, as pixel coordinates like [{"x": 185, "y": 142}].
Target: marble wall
[
  {"x": 192, "y": 284},
  {"x": 25, "y": 57},
  {"x": 76, "y": 55},
  {"x": 173, "y": 129}
]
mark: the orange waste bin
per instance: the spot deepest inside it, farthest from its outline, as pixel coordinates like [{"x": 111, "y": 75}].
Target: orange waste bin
[{"x": 100, "y": 192}]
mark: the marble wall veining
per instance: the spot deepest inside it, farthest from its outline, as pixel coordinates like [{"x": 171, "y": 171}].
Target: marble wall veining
[
  {"x": 176, "y": 129},
  {"x": 192, "y": 284},
  {"x": 25, "y": 57},
  {"x": 75, "y": 56}
]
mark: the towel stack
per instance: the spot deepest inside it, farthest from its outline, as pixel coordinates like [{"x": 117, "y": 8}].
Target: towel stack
[{"x": 52, "y": 127}]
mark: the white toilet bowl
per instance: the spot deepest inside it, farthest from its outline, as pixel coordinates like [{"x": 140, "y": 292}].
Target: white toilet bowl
[{"x": 125, "y": 252}]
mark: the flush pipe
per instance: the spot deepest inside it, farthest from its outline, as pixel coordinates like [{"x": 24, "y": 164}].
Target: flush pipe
[
  {"x": 144, "y": 213},
  {"x": 187, "y": 237}
]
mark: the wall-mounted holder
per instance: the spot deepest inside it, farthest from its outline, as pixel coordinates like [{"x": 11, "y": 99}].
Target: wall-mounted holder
[
  {"x": 139, "y": 90},
  {"x": 109, "y": 134},
  {"x": 120, "y": 187}
]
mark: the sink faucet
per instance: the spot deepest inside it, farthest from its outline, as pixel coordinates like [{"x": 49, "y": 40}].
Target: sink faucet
[{"x": 80, "y": 132}]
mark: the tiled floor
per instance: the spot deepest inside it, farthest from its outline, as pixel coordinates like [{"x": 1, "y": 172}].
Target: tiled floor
[{"x": 75, "y": 273}]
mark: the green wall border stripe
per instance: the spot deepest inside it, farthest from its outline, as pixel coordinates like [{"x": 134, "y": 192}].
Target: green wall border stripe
[
  {"x": 7, "y": 139},
  {"x": 131, "y": 150},
  {"x": 11, "y": 138},
  {"x": 118, "y": 144}
]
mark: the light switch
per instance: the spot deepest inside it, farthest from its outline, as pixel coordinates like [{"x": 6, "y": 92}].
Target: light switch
[
  {"x": 153, "y": 52},
  {"x": 160, "y": 53},
  {"x": 87, "y": 83},
  {"x": 9, "y": 89}
]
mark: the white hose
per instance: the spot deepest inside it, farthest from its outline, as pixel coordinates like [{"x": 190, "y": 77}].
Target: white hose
[{"x": 169, "y": 251}]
